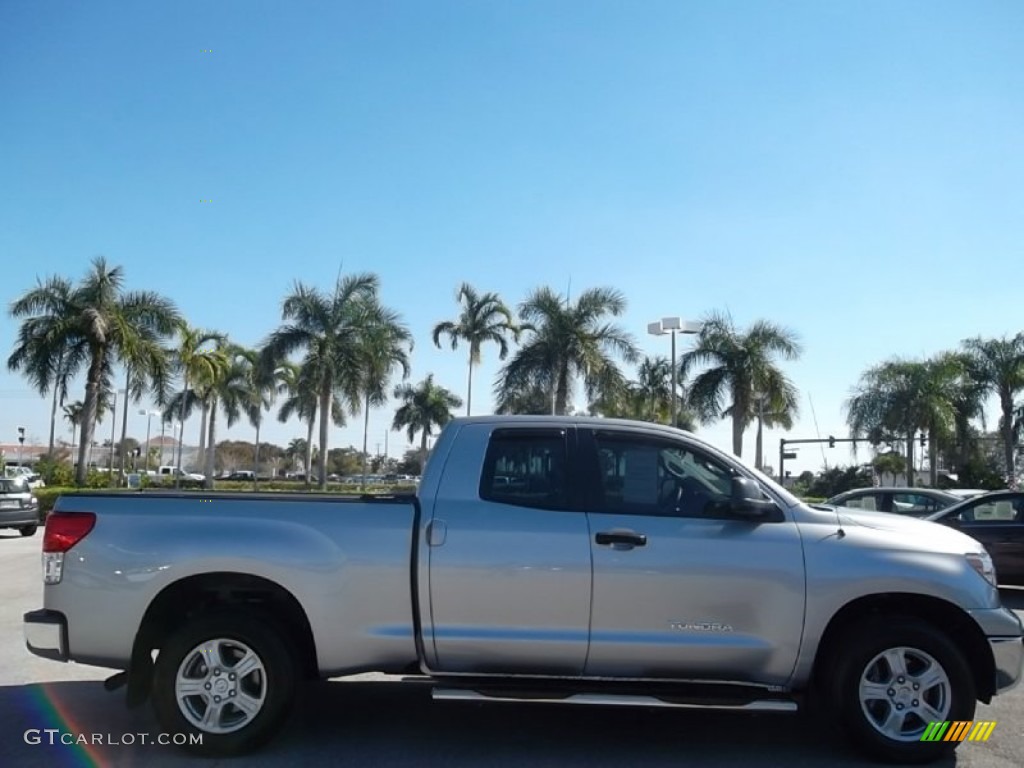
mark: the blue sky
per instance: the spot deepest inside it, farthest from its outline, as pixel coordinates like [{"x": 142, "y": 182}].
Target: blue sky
[{"x": 848, "y": 169}]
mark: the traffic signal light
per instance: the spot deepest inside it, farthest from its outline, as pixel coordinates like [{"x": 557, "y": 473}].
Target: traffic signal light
[
  {"x": 922, "y": 440},
  {"x": 831, "y": 442}
]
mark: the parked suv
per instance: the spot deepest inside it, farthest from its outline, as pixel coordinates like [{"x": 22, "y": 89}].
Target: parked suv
[{"x": 18, "y": 507}]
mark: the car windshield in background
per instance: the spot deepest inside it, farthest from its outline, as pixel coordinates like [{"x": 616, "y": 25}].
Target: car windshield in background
[{"x": 13, "y": 485}]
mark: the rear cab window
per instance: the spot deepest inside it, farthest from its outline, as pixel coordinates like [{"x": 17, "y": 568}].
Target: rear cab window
[{"x": 527, "y": 468}]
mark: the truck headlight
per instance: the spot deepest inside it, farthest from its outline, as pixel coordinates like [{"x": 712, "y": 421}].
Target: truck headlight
[{"x": 982, "y": 563}]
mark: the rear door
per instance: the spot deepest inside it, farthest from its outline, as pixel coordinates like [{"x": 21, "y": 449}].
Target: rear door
[{"x": 509, "y": 556}]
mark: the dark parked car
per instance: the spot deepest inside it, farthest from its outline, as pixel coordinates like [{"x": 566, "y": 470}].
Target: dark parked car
[
  {"x": 916, "y": 502},
  {"x": 18, "y": 507},
  {"x": 997, "y": 521}
]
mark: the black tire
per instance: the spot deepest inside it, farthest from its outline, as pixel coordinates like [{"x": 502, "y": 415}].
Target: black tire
[
  {"x": 277, "y": 685},
  {"x": 28, "y": 530},
  {"x": 953, "y": 700}
]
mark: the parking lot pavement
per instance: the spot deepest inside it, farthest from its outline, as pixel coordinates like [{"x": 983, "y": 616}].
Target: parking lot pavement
[{"x": 373, "y": 720}]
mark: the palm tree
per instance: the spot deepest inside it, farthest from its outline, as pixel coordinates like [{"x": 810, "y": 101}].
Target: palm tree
[
  {"x": 776, "y": 404},
  {"x": 301, "y": 401},
  {"x": 258, "y": 392},
  {"x": 425, "y": 406},
  {"x": 73, "y": 414},
  {"x": 897, "y": 398},
  {"x": 95, "y": 321},
  {"x": 227, "y": 391},
  {"x": 568, "y": 342},
  {"x": 382, "y": 349},
  {"x": 484, "y": 318},
  {"x": 737, "y": 366},
  {"x": 200, "y": 359},
  {"x": 533, "y": 400},
  {"x": 147, "y": 369},
  {"x": 327, "y": 328},
  {"x": 41, "y": 352},
  {"x": 999, "y": 365}
]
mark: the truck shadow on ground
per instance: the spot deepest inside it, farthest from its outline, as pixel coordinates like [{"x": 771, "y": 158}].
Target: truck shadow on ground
[{"x": 397, "y": 724}]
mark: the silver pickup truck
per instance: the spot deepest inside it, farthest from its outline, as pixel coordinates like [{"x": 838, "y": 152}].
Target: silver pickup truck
[{"x": 547, "y": 559}]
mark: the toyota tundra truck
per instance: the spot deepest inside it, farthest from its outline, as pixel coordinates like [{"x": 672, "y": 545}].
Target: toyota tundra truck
[{"x": 542, "y": 559}]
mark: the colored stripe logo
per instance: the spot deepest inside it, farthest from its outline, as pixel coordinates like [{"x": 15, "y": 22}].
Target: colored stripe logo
[{"x": 959, "y": 730}]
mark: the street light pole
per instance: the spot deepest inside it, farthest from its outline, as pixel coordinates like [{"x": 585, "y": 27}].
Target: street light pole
[
  {"x": 149, "y": 423},
  {"x": 21, "y": 445},
  {"x": 671, "y": 326}
]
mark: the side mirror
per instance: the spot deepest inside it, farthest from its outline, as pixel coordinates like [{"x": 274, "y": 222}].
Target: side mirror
[{"x": 747, "y": 502}]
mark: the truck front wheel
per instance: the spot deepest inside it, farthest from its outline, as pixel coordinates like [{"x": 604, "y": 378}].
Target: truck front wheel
[
  {"x": 227, "y": 681},
  {"x": 895, "y": 677}
]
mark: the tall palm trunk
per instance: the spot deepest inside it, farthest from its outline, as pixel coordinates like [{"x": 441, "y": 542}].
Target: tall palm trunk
[
  {"x": 53, "y": 419},
  {"x": 181, "y": 432},
  {"x": 1006, "y": 427},
  {"x": 469, "y": 381},
  {"x": 758, "y": 455},
  {"x": 562, "y": 391},
  {"x": 211, "y": 445},
  {"x": 202, "y": 431},
  {"x": 737, "y": 432},
  {"x": 124, "y": 422},
  {"x": 256, "y": 458},
  {"x": 910, "y": 458},
  {"x": 366, "y": 434},
  {"x": 308, "y": 465},
  {"x": 423, "y": 451},
  {"x": 933, "y": 459},
  {"x": 325, "y": 417},
  {"x": 92, "y": 396}
]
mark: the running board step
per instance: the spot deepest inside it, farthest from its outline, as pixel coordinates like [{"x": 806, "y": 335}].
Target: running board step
[{"x": 611, "y": 699}]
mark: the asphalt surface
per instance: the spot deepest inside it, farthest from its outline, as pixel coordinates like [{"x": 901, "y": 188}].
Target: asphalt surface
[{"x": 372, "y": 720}]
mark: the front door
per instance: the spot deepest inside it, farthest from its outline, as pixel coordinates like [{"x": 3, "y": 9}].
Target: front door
[
  {"x": 509, "y": 557},
  {"x": 681, "y": 591}
]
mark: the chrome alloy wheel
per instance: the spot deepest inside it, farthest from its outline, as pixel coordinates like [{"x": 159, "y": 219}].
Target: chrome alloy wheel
[
  {"x": 221, "y": 685},
  {"x": 902, "y": 690}
]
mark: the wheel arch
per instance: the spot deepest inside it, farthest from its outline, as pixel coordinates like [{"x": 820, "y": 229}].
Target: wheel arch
[
  {"x": 946, "y": 617},
  {"x": 199, "y": 594}
]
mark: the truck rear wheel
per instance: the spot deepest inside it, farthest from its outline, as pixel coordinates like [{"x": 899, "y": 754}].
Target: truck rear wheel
[
  {"x": 227, "y": 681},
  {"x": 896, "y": 676}
]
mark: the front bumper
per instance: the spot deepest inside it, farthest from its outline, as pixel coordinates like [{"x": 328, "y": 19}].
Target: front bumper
[
  {"x": 46, "y": 634},
  {"x": 1008, "y": 653},
  {"x": 1005, "y": 634}
]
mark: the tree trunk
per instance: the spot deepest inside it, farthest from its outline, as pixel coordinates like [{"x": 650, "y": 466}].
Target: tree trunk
[
  {"x": 256, "y": 459},
  {"x": 910, "y": 459},
  {"x": 202, "y": 430},
  {"x": 933, "y": 458},
  {"x": 423, "y": 451},
  {"x": 758, "y": 456},
  {"x": 124, "y": 422},
  {"x": 92, "y": 390},
  {"x": 325, "y": 421},
  {"x": 181, "y": 432},
  {"x": 309, "y": 450},
  {"x": 469, "y": 382},
  {"x": 737, "y": 432},
  {"x": 211, "y": 445},
  {"x": 562, "y": 391},
  {"x": 1006, "y": 427},
  {"x": 53, "y": 419},
  {"x": 366, "y": 435}
]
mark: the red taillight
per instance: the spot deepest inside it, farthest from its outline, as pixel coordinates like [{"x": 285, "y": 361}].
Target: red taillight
[{"x": 65, "y": 529}]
